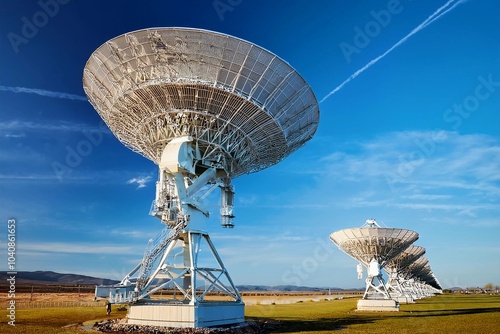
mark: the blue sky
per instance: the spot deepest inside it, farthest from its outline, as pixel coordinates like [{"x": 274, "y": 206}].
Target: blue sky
[{"x": 413, "y": 140}]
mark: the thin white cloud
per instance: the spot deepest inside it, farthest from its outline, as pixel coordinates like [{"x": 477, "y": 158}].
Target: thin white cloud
[
  {"x": 292, "y": 205},
  {"x": 247, "y": 200},
  {"x": 43, "y": 92},
  {"x": 143, "y": 235},
  {"x": 292, "y": 238},
  {"x": 427, "y": 197},
  {"x": 461, "y": 208},
  {"x": 89, "y": 177},
  {"x": 33, "y": 177},
  {"x": 79, "y": 248},
  {"x": 447, "y": 174},
  {"x": 23, "y": 155},
  {"x": 423, "y": 171},
  {"x": 14, "y": 135},
  {"x": 18, "y": 126},
  {"x": 233, "y": 237},
  {"x": 488, "y": 223},
  {"x": 415, "y": 157},
  {"x": 435, "y": 16},
  {"x": 140, "y": 181}
]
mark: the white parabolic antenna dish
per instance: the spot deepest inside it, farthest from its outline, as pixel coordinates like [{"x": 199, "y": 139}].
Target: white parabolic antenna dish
[
  {"x": 406, "y": 258},
  {"x": 367, "y": 243},
  {"x": 431, "y": 279},
  {"x": 413, "y": 270},
  {"x": 422, "y": 271},
  {"x": 245, "y": 108},
  {"x": 205, "y": 107}
]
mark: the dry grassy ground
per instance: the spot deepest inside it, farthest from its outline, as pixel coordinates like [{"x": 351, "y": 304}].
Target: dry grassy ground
[
  {"x": 440, "y": 314},
  {"x": 48, "y": 297},
  {"x": 252, "y": 299}
]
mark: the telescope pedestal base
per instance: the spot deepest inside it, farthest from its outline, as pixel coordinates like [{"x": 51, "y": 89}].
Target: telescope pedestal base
[
  {"x": 378, "y": 305},
  {"x": 206, "y": 314},
  {"x": 403, "y": 299}
]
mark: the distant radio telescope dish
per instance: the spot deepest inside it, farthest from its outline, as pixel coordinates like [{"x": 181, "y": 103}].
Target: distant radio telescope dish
[
  {"x": 373, "y": 242},
  {"x": 405, "y": 258},
  {"x": 421, "y": 274},
  {"x": 414, "y": 269},
  {"x": 431, "y": 280},
  {"x": 374, "y": 247},
  {"x": 205, "y": 107}
]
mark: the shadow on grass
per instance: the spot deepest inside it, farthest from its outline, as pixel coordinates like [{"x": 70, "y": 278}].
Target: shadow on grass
[
  {"x": 442, "y": 312},
  {"x": 321, "y": 324},
  {"x": 330, "y": 324}
]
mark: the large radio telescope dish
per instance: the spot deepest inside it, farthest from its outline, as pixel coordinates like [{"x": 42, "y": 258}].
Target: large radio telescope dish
[
  {"x": 245, "y": 108},
  {"x": 205, "y": 107}
]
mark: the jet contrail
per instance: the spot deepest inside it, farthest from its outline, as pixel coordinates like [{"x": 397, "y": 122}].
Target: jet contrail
[
  {"x": 435, "y": 16},
  {"x": 43, "y": 92}
]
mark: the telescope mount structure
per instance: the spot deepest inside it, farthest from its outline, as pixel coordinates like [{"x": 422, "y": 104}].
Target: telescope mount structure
[
  {"x": 396, "y": 283},
  {"x": 205, "y": 107},
  {"x": 419, "y": 280},
  {"x": 374, "y": 247}
]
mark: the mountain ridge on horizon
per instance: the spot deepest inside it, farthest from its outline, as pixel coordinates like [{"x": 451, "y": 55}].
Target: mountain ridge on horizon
[{"x": 46, "y": 277}]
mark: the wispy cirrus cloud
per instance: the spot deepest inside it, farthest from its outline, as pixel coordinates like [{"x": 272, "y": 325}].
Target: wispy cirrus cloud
[
  {"x": 424, "y": 171},
  {"x": 446, "y": 159},
  {"x": 20, "y": 127},
  {"x": 128, "y": 233},
  {"x": 14, "y": 135},
  {"x": 43, "y": 92},
  {"x": 141, "y": 181},
  {"x": 97, "y": 177},
  {"x": 80, "y": 248},
  {"x": 446, "y": 175},
  {"x": 427, "y": 197},
  {"x": 32, "y": 177}
]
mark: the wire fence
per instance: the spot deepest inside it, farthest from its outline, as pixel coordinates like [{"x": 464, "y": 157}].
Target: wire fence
[{"x": 60, "y": 303}]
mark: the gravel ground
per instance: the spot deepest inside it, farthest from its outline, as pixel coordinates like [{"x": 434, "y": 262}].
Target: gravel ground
[{"x": 117, "y": 326}]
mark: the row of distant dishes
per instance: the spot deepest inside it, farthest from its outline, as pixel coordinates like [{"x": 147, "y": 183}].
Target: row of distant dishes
[{"x": 392, "y": 250}]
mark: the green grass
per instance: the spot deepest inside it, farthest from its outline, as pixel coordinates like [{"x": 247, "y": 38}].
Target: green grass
[
  {"x": 62, "y": 320},
  {"x": 440, "y": 314}
]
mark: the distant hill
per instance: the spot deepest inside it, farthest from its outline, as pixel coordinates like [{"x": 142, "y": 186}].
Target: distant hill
[
  {"x": 51, "y": 278},
  {"x": 268, "y": 288}
]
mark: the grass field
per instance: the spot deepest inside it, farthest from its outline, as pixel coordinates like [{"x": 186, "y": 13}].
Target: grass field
[{"x": 440, "y": 314}]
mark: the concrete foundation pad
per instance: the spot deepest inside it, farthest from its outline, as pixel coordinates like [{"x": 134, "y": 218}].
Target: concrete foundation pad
[
  {"x": 378, "y": 305},
  {"x": 403, "y": 299},
  {"x": 206, "y": 314}
]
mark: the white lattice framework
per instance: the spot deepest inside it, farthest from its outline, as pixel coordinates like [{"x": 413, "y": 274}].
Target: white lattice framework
[
  {"x": 246, "y": 108},
  {"x": 416, "y": 279},
  {"x": 421, "y": 275},
  {"x": 395, "y": 266}
]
